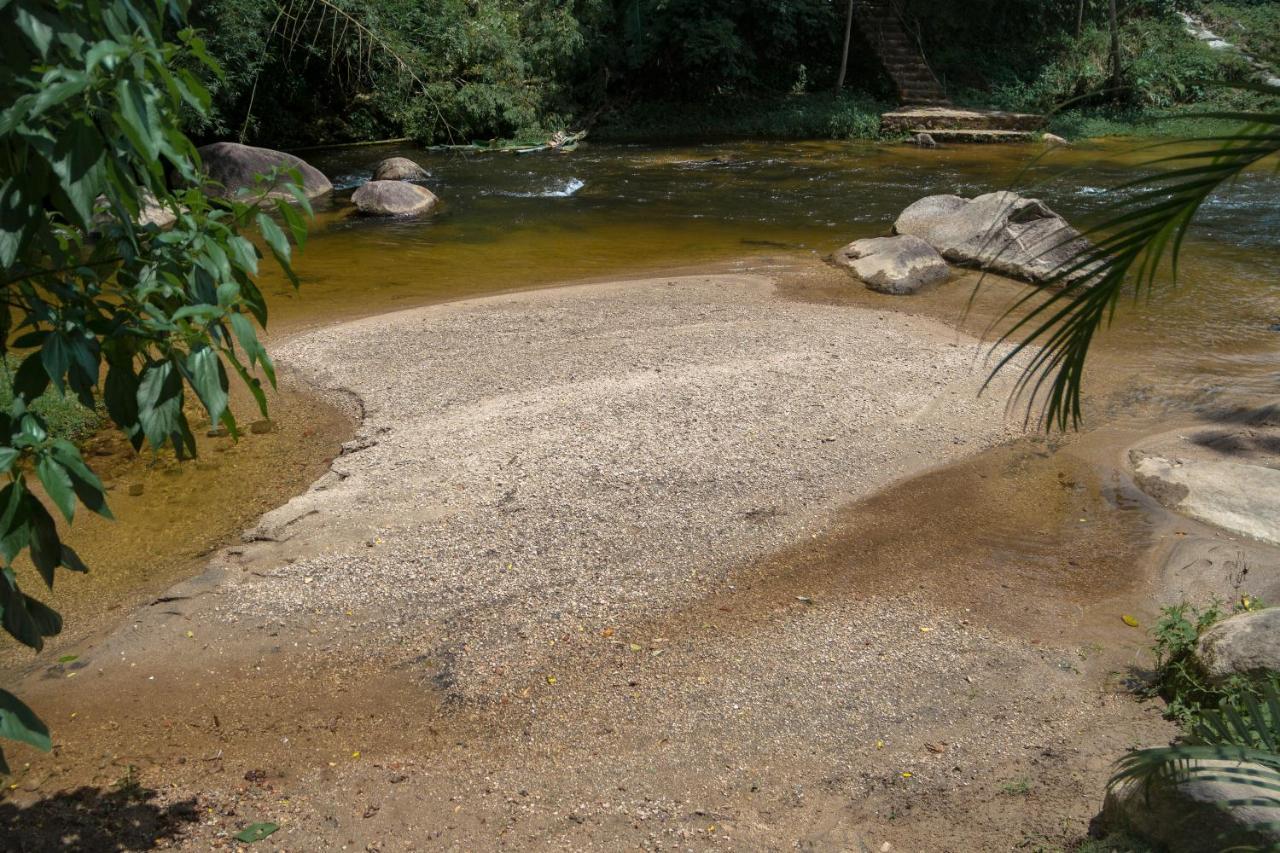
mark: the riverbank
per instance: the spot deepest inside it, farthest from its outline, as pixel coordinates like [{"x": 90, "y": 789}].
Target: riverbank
[{"x": 599, "y": 588}]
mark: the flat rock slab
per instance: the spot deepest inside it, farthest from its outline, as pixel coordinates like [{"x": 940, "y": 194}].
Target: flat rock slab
[
  {"x": 536, "y": 462},
  {"x": 1225, "y": 476},
  {"x": 894, "y": 265}
]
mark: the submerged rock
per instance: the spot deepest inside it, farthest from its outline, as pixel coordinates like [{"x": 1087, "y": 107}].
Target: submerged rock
[
  {"x": 1002, "y": 232},
  {"x": 399, "y": 169},
  {"x": 1246, "y": 644},
  {"x": 897, "y": 265},
  {"x": 393, "y": 198},
  {"x": 1190, "y": 816},
  {"x": 232, "y": 167}
]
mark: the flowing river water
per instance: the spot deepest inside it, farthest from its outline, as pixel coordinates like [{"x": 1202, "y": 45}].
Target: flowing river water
[{"x": 605, "y": 212}]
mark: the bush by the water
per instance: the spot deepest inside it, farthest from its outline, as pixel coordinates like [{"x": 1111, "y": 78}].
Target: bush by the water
[{"x": 64, "y": 415}]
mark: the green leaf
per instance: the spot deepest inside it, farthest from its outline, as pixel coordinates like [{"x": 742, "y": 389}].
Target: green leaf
[
  {"x": 275, "y": 238},
  {"x": 255, "y": 832},
  {"x": 209, "y": 381},
  {"x": 38, "y": 32},
  {"x": 159, "y": 402},
  {"x": 57, "y": 483},
  {"x": 133, "y": 116},
  {"x": 18, "y": 722},
  {"x": 84, "y": 482},
  {"x": 46, "y": 547}
]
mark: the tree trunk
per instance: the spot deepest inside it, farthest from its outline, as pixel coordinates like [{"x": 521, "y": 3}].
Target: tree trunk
[
  {"x": 844, "y": 56},
  {"x": 1115, "y": 52},
  {"x": 1080, "y": 19}
]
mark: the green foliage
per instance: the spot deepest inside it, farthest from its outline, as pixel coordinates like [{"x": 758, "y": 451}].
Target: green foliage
[
  {"x": 439, "y": 70},
  {"x": 1195, "y": 703},
  {"x": 1135, "y": 247},
  {"x": 96, "y": 304},
  {"x": 1253, "y": 25},
  {"x": 64, "y": 416},
  {"x": 1247, "y": 739},
  {"x": 817, "y": 116}
]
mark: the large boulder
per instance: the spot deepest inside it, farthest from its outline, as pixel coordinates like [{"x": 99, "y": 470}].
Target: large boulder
[
  {"x": 897, "y": 265},
  {"x": 1189, "y": 816},
  {"x": 393, "y": 198},
  {"x": 1246, "y": 644},
  {"x": 399, "y": 169},
  {"x": 1002, "y": 232},
  {"x": 232, "y": 167}
]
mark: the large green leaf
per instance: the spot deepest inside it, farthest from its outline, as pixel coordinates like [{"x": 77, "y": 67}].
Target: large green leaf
[
  {"x": 159, "y": 402},
  {"x": 18, "y": 722}
]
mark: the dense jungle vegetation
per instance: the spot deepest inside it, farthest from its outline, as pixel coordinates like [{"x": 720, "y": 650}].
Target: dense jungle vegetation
[{"x": 307, "y": 71}]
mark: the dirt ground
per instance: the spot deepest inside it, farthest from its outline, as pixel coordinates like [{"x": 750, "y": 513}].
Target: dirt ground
[{"x": 940, "y": 665}]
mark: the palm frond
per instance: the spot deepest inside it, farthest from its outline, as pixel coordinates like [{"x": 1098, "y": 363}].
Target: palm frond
[{"x": 1139, "y": 237}]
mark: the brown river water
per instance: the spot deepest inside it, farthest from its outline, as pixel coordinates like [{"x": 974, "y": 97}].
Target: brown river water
[{"x": 1201, "y": 351}]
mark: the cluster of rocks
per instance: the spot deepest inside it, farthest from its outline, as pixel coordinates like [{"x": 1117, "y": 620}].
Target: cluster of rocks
[
  {"x": 232, "y": 168},
  {"x": 1000, "y": 232},
  {"x": 1225, "y": 476},
  {"x": 1210, "y": 804}
]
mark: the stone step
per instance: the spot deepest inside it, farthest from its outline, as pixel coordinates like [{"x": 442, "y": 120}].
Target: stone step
[
  {"x": 976, "y": 136},
  {"x": 933, "y": 118}
]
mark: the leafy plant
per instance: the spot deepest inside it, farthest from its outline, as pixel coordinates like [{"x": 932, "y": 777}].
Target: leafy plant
[
  {"x": 1133, "y": 248},
  {"x": 1190, "y": 697},
  {"x": 97, "y": 302},
  {"x": 1239, "y": 746}
]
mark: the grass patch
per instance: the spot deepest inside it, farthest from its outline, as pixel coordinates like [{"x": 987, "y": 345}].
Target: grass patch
[
  {"x": 814, "y": 116},
  {"x": 64, "y": 416}
]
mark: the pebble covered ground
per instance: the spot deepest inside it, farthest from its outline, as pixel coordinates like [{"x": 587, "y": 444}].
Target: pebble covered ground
[{"x": 589, "y": 578}]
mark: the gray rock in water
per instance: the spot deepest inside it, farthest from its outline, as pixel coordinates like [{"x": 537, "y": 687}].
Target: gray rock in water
[
  {"x": 1001, "y": 232},
  {"x": 924, "y": 140},
  {"x": 897, "y": 265},
  {"x": 1188, "y": 817},
  {"x": 399, "y": 169},
  {"x": 393, "y": 198},
  {"x": 232, "y": 167},
  {"x": 1246, "y": 644},
  {"x": 1053, "y": 139}
]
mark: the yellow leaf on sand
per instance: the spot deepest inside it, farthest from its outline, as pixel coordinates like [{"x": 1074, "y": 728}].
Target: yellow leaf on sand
[
  {"x": 551, "y": 679},
  {"x": 906, "y": 775},
  {"x": 1131, "y": 621},
  {"x": 634, "y": 647},
  {"x": 355, "y": 754}
]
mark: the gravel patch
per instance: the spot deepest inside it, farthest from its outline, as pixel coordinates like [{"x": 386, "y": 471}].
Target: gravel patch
[{"x": 573, "y": 457}]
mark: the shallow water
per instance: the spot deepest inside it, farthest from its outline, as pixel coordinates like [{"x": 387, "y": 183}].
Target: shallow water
[{"x": 510, "y": 221}]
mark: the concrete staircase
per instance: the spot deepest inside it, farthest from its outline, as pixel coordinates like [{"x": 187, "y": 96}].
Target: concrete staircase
[
  {"x": 949, "y": 124},
  {"x": 898, "y": 52}
]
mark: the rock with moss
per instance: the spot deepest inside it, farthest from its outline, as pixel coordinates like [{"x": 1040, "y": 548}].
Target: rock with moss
[
  {"x": 1247, "y": 644},
  {"x": 393, "y": 198},
  {"x": 895, "y": 265}
]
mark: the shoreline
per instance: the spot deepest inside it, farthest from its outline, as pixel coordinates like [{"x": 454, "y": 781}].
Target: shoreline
[{"x": 458, "y": 692}]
